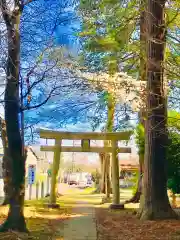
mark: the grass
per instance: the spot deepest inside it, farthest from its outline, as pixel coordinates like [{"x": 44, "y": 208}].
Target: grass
[
  {"x": 40, "y": 177},
  {"x": 88, "y": 190},
  {"x": 42, "y": 222},
  {"x": 47, "y": 224}
]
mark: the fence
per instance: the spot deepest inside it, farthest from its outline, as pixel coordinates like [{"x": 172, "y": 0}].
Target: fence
[{"x": 38, "y": 190}]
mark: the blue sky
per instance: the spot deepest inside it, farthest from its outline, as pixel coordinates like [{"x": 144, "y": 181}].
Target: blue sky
[{"x": 37, "y": 31}]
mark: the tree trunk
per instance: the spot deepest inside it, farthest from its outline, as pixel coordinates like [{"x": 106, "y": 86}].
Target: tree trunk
[
  {"x": 137, "y": 195},
  {"x": 142, "y": 73},
  {"x": 16, "y": 161},
  {"x": 102, "y": 161},
  {"x": 107, "y": 176},
  {"x": 109, "y": 128},
  {"x": 156, "y": 203},
  {"x": 174, "y": 204},
  {"x": 5, "y": 166},
  {"x": 107, "y": 183},
  {"x": 105, "y": 157}
]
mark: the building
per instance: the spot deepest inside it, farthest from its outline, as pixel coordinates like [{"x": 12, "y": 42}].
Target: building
[
  {"x": 38, "y": 158},
  {"x": 128, "y": 171},
  {"x": 34, "y": 157},
  {"x": 130, "y": 164}
]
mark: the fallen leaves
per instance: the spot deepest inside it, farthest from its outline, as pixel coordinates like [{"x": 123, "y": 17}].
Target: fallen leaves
[
  {"x": 42, "y": 222},
  {"x": 123, "y": 225}
]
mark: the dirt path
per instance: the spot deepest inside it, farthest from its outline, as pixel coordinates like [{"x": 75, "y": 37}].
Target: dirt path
[{"x": 82, "y": 226}]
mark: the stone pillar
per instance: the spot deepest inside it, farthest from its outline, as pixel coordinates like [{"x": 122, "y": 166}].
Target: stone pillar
[
  {"x": 115, "y": 177},
  {"x": 55, "y": 170}
]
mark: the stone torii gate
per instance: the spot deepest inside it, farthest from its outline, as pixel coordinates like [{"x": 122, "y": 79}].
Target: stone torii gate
[{"x": 86, "y": 138}]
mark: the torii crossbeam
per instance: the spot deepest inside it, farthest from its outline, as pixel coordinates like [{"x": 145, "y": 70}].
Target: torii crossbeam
[{"x": 86, "y": 138}]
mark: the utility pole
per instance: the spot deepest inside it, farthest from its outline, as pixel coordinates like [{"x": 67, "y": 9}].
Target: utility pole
[
  {"x": 73, "y": 158},
  {"x": 45, "y": 153}
]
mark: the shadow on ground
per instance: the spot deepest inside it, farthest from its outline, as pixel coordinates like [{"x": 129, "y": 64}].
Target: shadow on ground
[
  {"x": 118, "y": 225},
  {"x": 47, "y": 224},
  {"x": 44, "y": 223}
]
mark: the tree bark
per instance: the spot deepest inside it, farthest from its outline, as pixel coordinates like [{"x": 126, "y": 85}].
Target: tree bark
[
  {"x": 105, "y": 157},
  {"x": 5, "y": 165},
  {"x": 102, "y": 160},
  {"x": 16, "y": 161},
  {"x": 156, "y": 203},
  {"x": 109, "y": 128},
  {"x": 107, "y": 176},
  {"x": 136, "y": 197},
  {"x": 142, "y": 73}
]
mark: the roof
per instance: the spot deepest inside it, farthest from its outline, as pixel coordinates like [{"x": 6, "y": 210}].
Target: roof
[
  {"x": 131, "y": 163},
  {"x": 35, "y": 149}
]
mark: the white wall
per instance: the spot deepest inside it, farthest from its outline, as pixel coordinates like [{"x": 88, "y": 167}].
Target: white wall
[{"x": 1, "y": 187}]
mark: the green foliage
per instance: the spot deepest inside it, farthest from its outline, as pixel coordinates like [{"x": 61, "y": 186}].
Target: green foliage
[
  {"x": 134, "y": 180},
  {"x": 109, "y": 27},
  {"x": 174, "y": 162},
  {"x": 96, "y": 176},
  {"x": 172, "y": 47},
  {"x": 110, "y": 37},
  {"x": 112, "y": 27},
  {"x": 174, "y": 120},
  {"x": 139, "y": 137},
  {"x": 65, "y": 57},
  {"x": 173, "y": 150},
  {"x": 105, "y": 96}
]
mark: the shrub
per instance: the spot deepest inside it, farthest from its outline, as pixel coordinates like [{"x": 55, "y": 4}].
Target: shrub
[{"x": 173, "y": 156}]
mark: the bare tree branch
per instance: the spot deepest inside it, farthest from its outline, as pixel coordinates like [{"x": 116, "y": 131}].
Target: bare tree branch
[
  {"x": 42, "y": 103},
  {"x": 6, "y": 12},
  {"x": 27, "y": 2}
]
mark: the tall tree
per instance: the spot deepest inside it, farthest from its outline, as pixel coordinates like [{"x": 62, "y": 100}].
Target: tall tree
[
  {"x": 12, "y": 14},
  {"x": 104, "y": 36},
  {"x": 34, "y": 71},
  {"x": 156, "y": 202},
  {"x": 15, "y": 219},
  {"x": 142, "y": 74},
  {"x": 106, "y": 173}
]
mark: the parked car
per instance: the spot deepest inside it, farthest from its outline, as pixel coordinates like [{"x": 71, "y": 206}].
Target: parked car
[
  {"x": 73, "y": 182},
  {"x": 89, "y": 182},
  {"x": 73, "y": 179}
]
